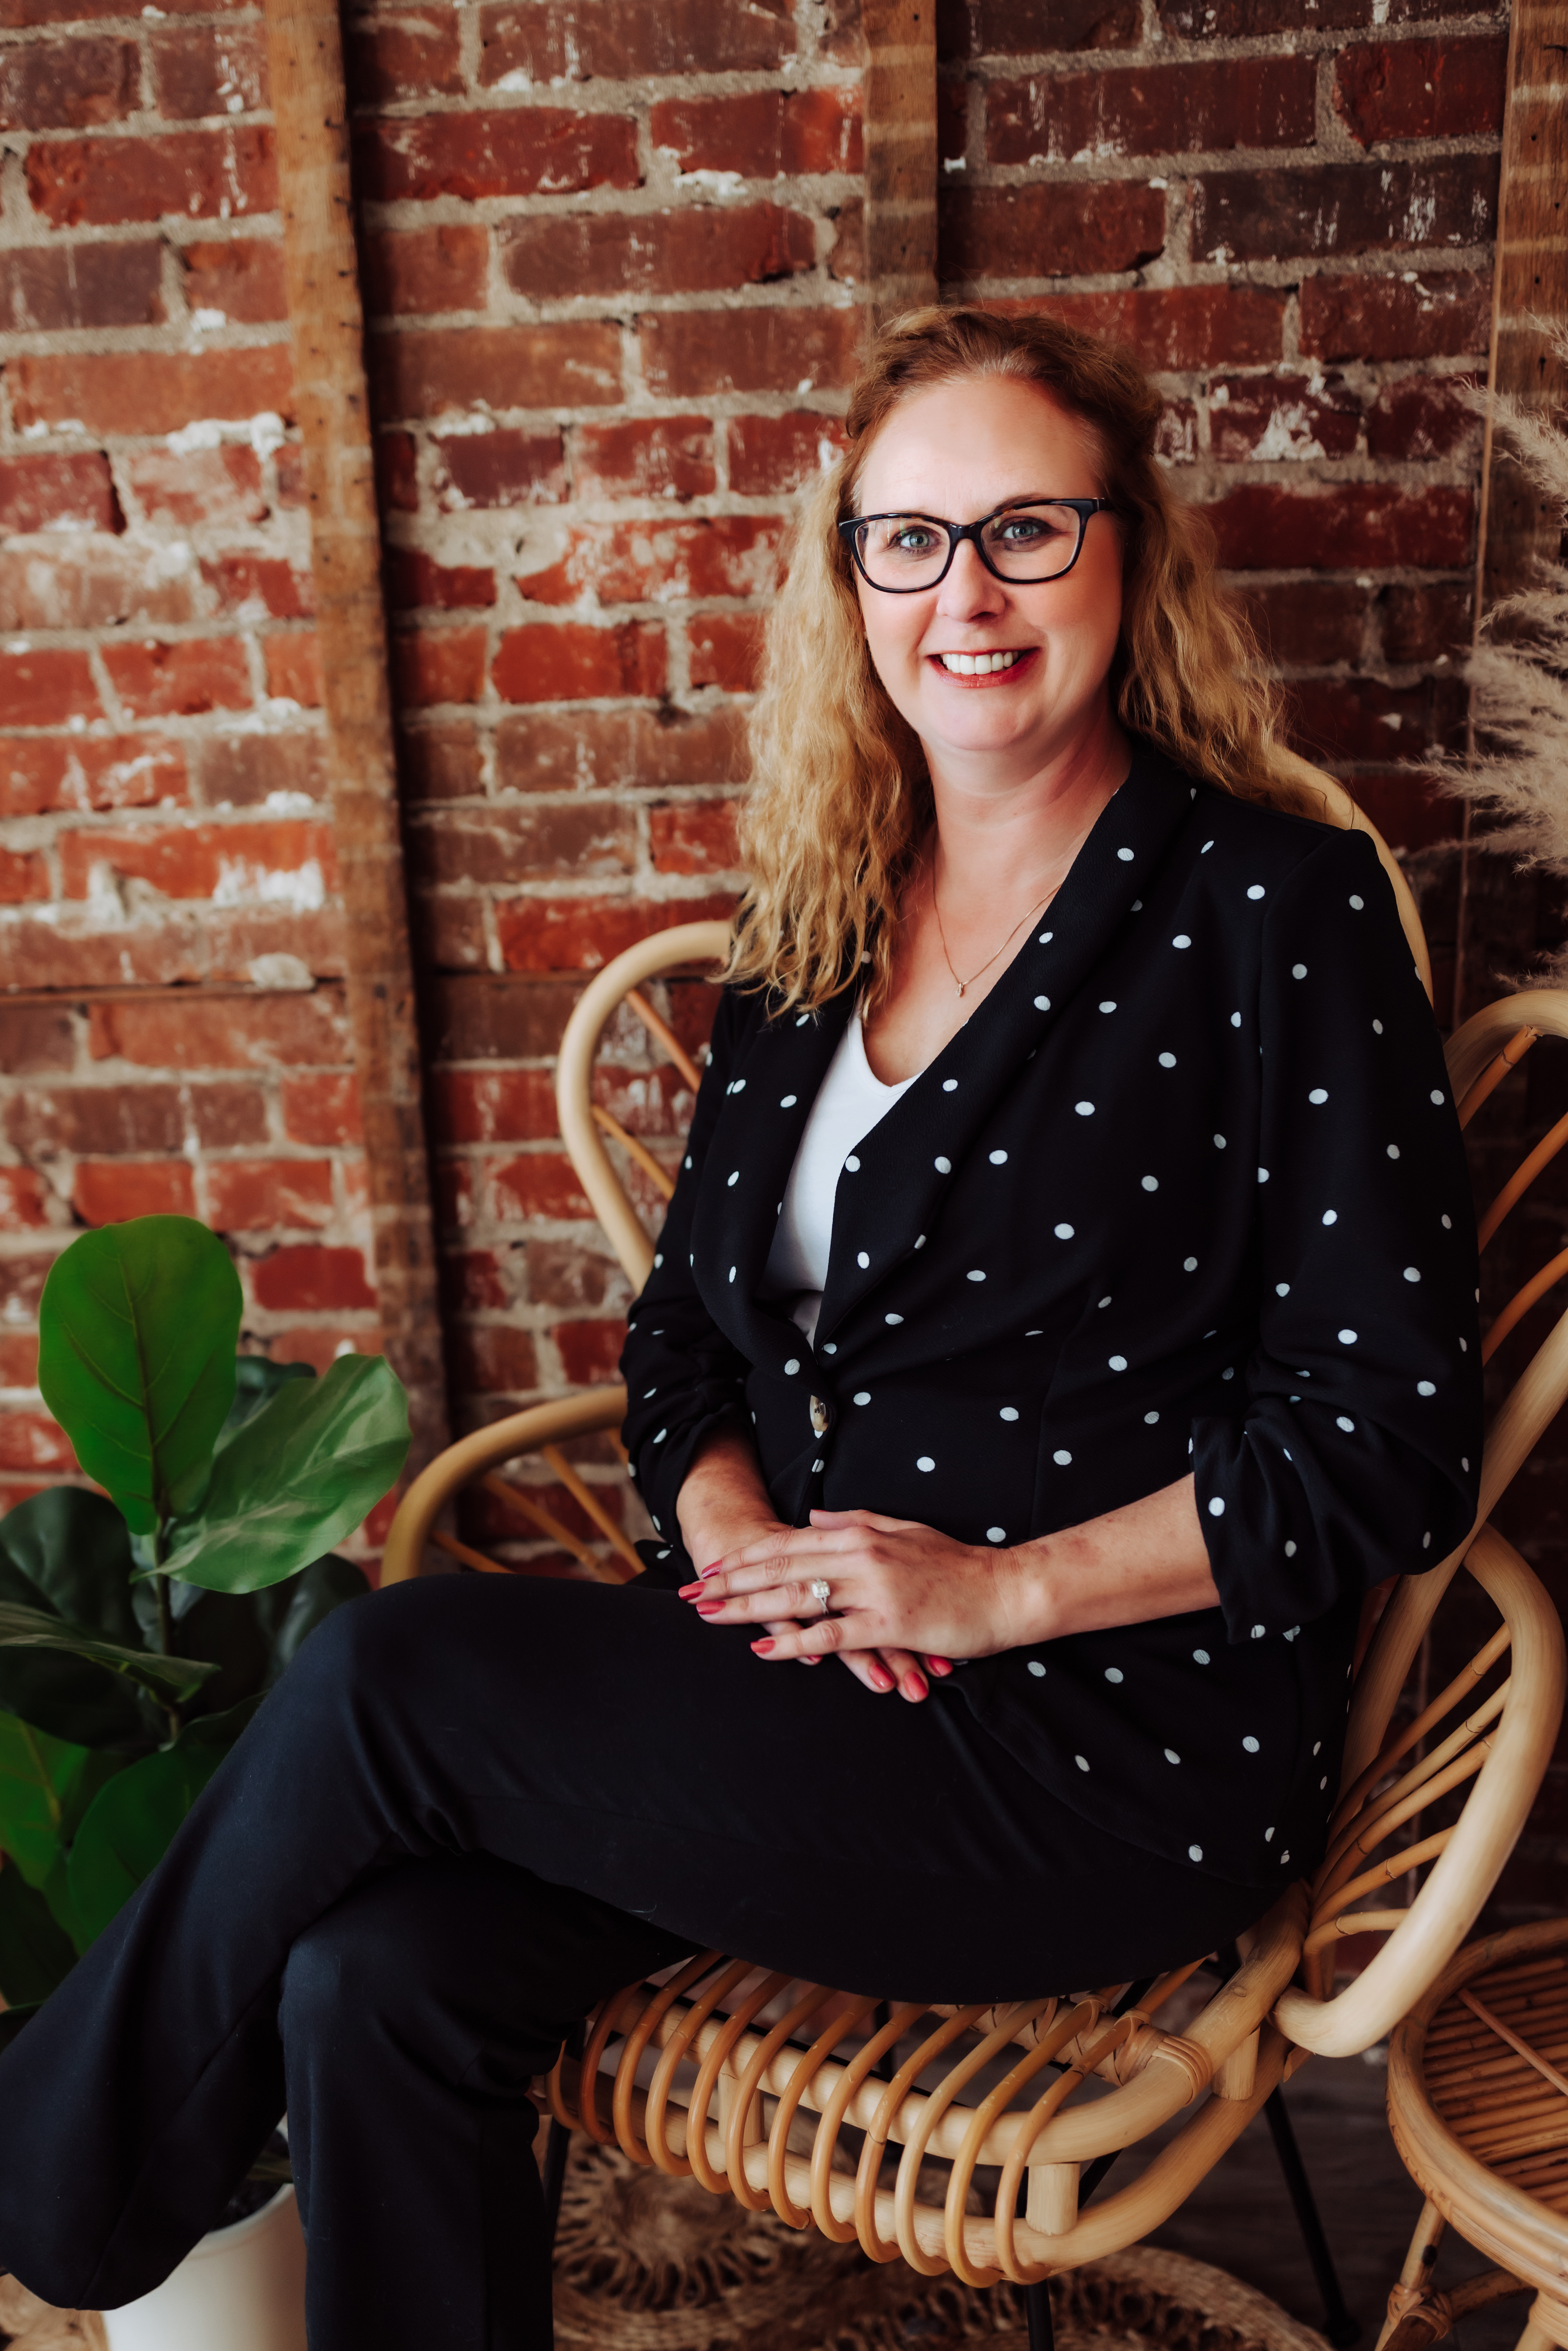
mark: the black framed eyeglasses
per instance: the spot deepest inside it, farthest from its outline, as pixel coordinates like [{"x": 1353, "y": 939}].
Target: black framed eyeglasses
[{"x": 1030, "y": 540}]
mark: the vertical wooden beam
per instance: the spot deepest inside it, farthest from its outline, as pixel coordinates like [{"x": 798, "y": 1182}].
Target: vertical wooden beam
[
  {"x": 321, "y": 270},
  {"x": 1517, "y": 527},
  {"x": 900, "y": 128}
]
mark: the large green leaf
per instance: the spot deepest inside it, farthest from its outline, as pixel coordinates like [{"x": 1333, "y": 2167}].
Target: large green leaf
[
  {"x": 251, "y": 1636},
  {"x": 47, "y": 1785},
  {"x": 35, "y": 1953},
  {"x": 257, "y": 1381},
  {"x": 169, "y": 1680},
  {"x": 136, "y": 1358},
  {"x": 66, "y": 1551},
  {"x": 295, "y": 1478},
  {"x": 128, "y": 1827}
]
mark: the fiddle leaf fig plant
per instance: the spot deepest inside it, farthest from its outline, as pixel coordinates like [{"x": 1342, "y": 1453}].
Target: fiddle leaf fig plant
[{"x": 141, "y": 1627}]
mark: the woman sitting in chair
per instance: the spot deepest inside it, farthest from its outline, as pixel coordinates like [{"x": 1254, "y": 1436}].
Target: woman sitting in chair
[{"x": 1065, "y": 1314}]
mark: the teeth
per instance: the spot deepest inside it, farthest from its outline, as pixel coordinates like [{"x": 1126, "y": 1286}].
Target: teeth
[{"x": 975, "y": 665}]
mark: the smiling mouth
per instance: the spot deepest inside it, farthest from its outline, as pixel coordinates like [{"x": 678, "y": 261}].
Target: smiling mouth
[{"x": 986, "y": 665}]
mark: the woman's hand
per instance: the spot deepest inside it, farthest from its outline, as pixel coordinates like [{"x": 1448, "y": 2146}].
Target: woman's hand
[{"x": 901, "y": 1593}]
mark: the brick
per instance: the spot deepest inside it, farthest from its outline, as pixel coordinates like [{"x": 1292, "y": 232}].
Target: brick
[
  {"x": 523, "y": 152},
  {"x": 657, "y": 457},
  {"x": 426, "y": 270},
  {"x": 763, "y": 134},
  {"x": 159, "y": 680},
  {"x": 69, "y": 85},
  {"x": 1054, "y": 228},
  {"x": 565, "y": 1273},
  {"x": 24, "y": 876},
  {"x": 725, "y": 651},
  {"x": 611, "y": 750},
  {"x": 443, "y": 762},
  {"x": 322, "y": 1111},
  {"x": 229, "y": 1116},
  {"x": 471, "y": 1281},
  {"x": 1345, "y": 208},
  {"x": 610, "y": 40},
  {"x": 539, "y": 1184},
  {"x": 1309, "y": 621},
  {"x": 19, "y": 1369},
  {"x": 583, "y": 934},
  {"x": 197, "y": 175},
  {"x": 97, "y": 1120},
  {"x": 201, "y": 69},
  {"x": 503, "y": 469},
  {"x": 149, "y": 392},
  {"x": 1440, "y": 316},
  {"x": 396, "y": 459},
  {"x": 780, "y": 454},
  {"x": 691, "y": 353},
  {"x": 1363, "y": 524},
  {"x": 589, "y": 1352},
  {"x": 400, "y": 58},
  {"x": 309, "y": 1281},
  {"x": 1254, "y": 418},
  {"x": 108, "y": 1192},
  {"x": 453, "y": 1186},
  {"x": 1225, "y": 20},
  {"x": 491, "y": 1017},
  {"x": 65, "y": 493},
  {"x": 293, "y": 665},
  {"x": 1424, "y": 623},
  {"x": 469, "y": 1107},
  {"x": 289, "y": 465},
  {"x": 47, "y": 286},
  {"x": 431, "y": 666},
  {"x": 95, "y": 583},
  {"x": 657, "y": 562},
  {"x": 1176, "y": 327},
  {"x": 500, "y": 845},
  {"x": 243, "y": 770},
  {"x": 558, "y": 366},
  {"x": 846, "y": 256},
  {"x": 288, "y": 1032},
  {"x": 491, "y": 1359},
  {"x": 35, "y": 1039},
  {"x": 251, "y": 1195},
  {"x": 234, "y": 280},
  {"x": 41, "y": 687},
  {"x": 697, "y": 249},
  {"x": 1410, "y": 812},
  {"x": 1445, "y": 89},
  {"x": 259, "y": 586},
  {"x": 216, "y": 486},
  {"x": 415, "y": 580},
  {"x": 1363, "y": 718},
  {"x": 693, "y": 837},
  {"x": 1420, "y": 418},
  {"x": 23, "y": 1203},
  {"x": 194, "y": 860},
  {"x": 1185, "y": 109},
  {"x": 572, "y": 661},
  {"x": 31, "y": 1440},
  {"x": 974, "y": 28},
  {"x": 21, "y": 1286}
]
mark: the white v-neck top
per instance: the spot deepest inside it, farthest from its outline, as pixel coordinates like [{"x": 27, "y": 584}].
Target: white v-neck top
[{"x": 849, "y": 1101}]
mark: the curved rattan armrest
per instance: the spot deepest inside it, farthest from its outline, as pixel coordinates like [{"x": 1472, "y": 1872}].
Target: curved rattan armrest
[
  {"x": 521, "y": 1432},
  {"x": 1341, "y": 809},
  {"x": 685, "y": 943},
  {"x": 1498, "y": 1803}
]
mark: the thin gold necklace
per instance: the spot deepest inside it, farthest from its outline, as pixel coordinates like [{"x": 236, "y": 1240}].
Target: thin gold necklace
[{"x": 962, "y": 984}]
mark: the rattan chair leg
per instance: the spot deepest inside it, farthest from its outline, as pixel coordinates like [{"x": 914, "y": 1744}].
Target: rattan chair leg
[
  {"x": 1339, "y": 2326},
  {"x": 1546, "y": 2328}
]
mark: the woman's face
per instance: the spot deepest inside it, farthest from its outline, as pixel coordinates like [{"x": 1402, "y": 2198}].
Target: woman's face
[{"x": 959, "y": 451}]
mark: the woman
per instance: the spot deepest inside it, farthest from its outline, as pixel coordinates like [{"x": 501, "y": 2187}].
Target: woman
[{"x": 1066, "y": 1311}]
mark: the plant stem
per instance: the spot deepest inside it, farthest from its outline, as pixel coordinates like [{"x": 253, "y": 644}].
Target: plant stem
[{"x": 165, "y": 1626}]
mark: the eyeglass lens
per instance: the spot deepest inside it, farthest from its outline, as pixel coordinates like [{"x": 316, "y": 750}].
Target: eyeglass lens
[{"x": 1025, "y": 543}]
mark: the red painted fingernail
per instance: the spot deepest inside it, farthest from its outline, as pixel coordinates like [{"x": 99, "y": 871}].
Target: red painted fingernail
[
  {"x": 688, "y": 1591},
  {"x": 940, "y": 1665},
  {"x": 762, "y": 1649},
  {"x": 881, "y": 1680},
  {"x": 712, "y": 1569},
  {"x": 915, "y": 1685},
  {"x": 710, "y": 1607}
]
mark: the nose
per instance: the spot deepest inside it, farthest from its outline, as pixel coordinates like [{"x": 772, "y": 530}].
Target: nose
[{"x": 969, "y": 592}]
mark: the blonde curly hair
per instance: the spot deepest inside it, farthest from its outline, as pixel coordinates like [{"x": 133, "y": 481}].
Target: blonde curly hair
[{"x": 840, "y": 797}]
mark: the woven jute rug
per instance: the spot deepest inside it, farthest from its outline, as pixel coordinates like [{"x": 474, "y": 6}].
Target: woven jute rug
[{"x": 647, "y": 2264}]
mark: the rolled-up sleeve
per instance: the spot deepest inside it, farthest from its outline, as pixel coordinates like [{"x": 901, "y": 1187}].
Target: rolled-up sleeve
[
  {"x": 683, "y": 1376},
  {"x": 1358, "y": 1455}
]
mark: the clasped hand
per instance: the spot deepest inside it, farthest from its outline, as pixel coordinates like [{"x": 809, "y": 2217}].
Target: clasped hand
[{"x": 904, "y": 1599}]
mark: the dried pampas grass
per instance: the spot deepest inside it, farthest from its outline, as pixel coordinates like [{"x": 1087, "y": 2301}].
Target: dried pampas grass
[{"x": 1516, "y": 779}]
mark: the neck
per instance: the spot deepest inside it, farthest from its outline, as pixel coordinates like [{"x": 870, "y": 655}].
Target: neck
[{"x": 1007, "y": 834}]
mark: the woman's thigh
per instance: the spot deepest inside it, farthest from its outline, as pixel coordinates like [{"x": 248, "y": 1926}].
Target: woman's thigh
[{"x": 610, "y": 1741}]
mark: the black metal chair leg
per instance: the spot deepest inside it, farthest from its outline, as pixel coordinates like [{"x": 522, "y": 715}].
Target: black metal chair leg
[
  {"x": 556, "y": 2147},
  {"x": 1037, "y": 2307},
  {"x": 1339, "y": 2326}
]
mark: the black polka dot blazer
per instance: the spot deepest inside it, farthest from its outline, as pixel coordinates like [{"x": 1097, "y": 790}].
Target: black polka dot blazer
[{"x": 1187, "y": 1192}]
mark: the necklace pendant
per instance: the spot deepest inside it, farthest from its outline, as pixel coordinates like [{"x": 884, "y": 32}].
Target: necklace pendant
[{"x": 961, "y": 987}]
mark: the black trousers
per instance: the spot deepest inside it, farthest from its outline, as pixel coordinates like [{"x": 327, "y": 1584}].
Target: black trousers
[{"x": 472, "y": 1807}]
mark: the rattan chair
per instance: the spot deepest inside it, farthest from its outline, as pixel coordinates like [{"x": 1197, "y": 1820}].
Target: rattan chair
[
  {"x": 801, "y": 2097},
  {"x": 1478, "y": 2098}
]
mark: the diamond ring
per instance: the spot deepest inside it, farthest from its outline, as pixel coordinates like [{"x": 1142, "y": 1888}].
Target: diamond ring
[{"x": 821, "y": 1593}]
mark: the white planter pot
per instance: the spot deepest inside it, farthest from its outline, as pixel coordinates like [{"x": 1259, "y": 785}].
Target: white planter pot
[{"x": 242, "y": 2289}]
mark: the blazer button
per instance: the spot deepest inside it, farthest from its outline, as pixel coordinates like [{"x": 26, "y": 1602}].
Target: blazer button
[{"x": 819, "y": 1417}]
